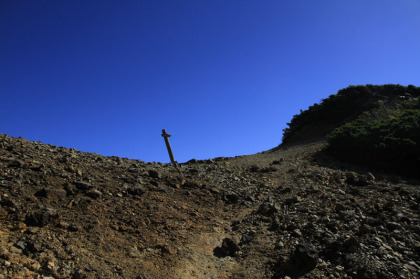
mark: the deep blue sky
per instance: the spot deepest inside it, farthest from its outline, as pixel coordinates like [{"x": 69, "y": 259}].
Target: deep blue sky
[{"x": 223, "y": 77}]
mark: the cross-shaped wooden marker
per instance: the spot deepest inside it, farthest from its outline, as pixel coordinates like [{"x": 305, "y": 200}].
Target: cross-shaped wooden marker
[{"x": 166, "y": 136}]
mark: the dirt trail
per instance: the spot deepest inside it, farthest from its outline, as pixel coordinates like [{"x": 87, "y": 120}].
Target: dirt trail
[{"x": 202, "y": 262}]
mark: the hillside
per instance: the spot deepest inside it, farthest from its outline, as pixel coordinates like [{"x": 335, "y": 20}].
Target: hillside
[
  {"x": 345, "y": 106},
  {"x": 293, "y": 212},
  {"x": 376, "y": 126}
]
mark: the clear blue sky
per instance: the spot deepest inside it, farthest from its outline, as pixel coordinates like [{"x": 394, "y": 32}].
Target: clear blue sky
[{"x": 223, "y": 77}]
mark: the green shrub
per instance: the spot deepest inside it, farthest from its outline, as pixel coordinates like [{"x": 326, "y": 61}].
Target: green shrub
[
  {"x": 391, "y": 143},
  {"x": 345, "y": 106}
]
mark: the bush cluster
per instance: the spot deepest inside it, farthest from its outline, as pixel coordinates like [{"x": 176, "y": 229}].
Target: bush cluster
[
  {"x": 391, "y": 143},
  {"x": 348, "y": 104},
  {"x": 372, "y": 125}
]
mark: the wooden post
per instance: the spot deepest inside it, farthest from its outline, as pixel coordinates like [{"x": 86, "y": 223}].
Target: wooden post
[{"x": 166, "y": 136}]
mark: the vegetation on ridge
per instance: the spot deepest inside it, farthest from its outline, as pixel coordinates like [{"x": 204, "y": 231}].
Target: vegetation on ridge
[{"x": 371, "y": 125}]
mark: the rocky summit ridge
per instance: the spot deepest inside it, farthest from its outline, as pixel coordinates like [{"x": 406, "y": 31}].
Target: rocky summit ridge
[{"x": 286, "y": 213}]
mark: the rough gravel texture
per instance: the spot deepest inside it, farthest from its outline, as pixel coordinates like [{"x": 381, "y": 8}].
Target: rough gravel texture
[{"x": 286, "y": 213}]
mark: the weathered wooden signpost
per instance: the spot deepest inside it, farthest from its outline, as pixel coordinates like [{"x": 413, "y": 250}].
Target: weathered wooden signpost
[{"x": 166, "y": 136}]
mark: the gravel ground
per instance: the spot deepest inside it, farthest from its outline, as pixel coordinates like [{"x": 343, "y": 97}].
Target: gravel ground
[{"x": 285, "y": 213}]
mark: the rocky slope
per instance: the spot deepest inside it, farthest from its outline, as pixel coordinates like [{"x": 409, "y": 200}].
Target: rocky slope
[{"x": 288, "y": 212}]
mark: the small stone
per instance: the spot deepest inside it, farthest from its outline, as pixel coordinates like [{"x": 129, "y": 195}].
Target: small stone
[
  {"x": 275, "y": 224},
  {"x": 341, "y": 191},
  {"x": 339, "y": 207},
  {"x": 166, "y": 249},
  {"x": 393, "y": 226},
  {"x": 351, "y": 244},
  {"x": 40, "y": 218},
  {"x": 20, "y": 227},
  {"x": 365, "y": 229},
  {"x": 322, "y": 265},
  {"x": 33, "y": 247},
  {"x": 79, "y": 274},
  {"x": 279, "y": 244},
  {"x": 94, "y": 194},
  {"x": 297, "y": 199},
  {"x": 231, "y": 197},
  {"x": 35, "y": 266},
  {"x": 293, "y": 200},
  {"x": 254, "y": 168},
  {"x": 50, "y": 265},
  {"x": 83, "y": 186},
  {"x": 305, "y": 257},
  {"x": 137, "y": 190},
  {"x": 297, "y": 233},
  {"x": 406, "y": 220},
  {"x": 134, "y": 252},
  {"x": 63, "y": 225},
  {"x": 267, "y": 209},
  {"x": 370, "y": 177},
  {"x": 414, "y": 264},
  {"x": 21, "y": 244},
  {"x": 16, "y": 164},
  {"x": 339, "y": 267},
  {"x": 410, "y": 267},
  {"x": 74, "y": 228},
  {"x": 52, "y": 194},
  {"x": 7, "y": 202},
  {"x": 246, "y": 238},
  {"x": 278, "y": 162}
]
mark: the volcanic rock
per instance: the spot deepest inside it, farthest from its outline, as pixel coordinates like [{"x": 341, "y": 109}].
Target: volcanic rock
[{"x": 230, "y": 247}]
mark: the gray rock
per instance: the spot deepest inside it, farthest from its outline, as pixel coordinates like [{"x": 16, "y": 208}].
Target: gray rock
[
  {"x": 137, "y": 190},
  {"x": 21, "y": 244},
  {"x": 52, "y": 194}
]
